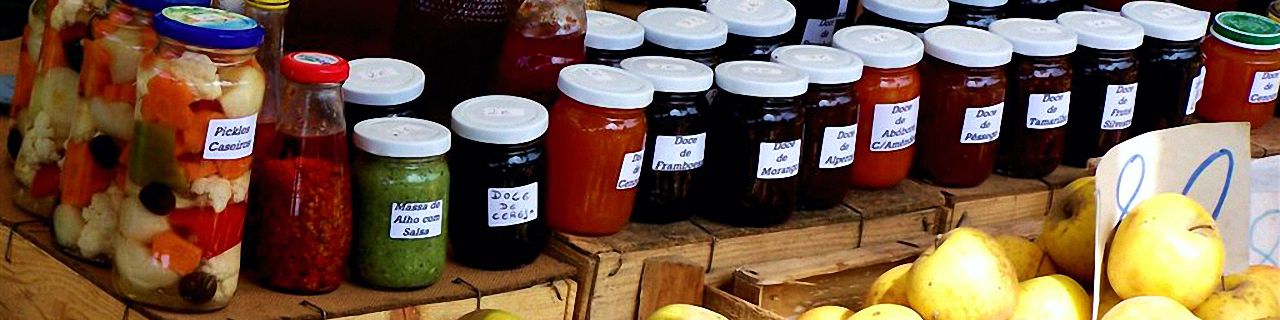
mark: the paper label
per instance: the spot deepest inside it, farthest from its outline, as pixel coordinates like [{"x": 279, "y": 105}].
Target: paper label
[
  {"x": 1048, "y": 111},
  {"x": 678, "y": 153},
  {"x": 1117, "y": 110},
  {"x": 629, "y": 176},
  {"x": 1265, "y": 87},
  {"x": 837, "y": 146},
  {"x": 1197, "y": 91},
  {"x": 230, "y": 139},
  {"x": 417, "y": 220},
  {"x": 982, "y": 125},
  {"x": 894, "y": 125},
  {"x": 513, "y": 206},
  {"x": 779, "y": 160}
]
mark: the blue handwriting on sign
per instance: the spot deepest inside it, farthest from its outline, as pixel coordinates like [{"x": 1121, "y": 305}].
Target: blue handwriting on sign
[
  {"x": 1226, "y": 185},
  {"x": 1268, "y": 255},
  {"x": 1125, "y": 205}
]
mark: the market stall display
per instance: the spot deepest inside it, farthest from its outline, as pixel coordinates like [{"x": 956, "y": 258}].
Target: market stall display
[
  {"x": 1172, "y": 70},
  {"x": 890, "y": 103},
  {"x": 1104, "y": 84}
]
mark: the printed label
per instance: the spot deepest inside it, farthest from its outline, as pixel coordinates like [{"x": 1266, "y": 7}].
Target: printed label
[
  {"x": 982, "y": 125},
  {"x": 894, "y": 125},
  {"x": 1197, "y": 91},
  {"x": 513, "y": 206},
  {"x": 417, "y": 220},
  {"x": 678, "y": 153},
  {"x": 1117, "y": 110},
  {"x": 779, "y": 160},
  {"x": 1265, "y": 87},
  {"x": 818, "y": 31},
  {"x": 629, "y": 177},
  {"x": 230, "y": 139},
  {"x": 1048, "y": 111},
  {"x": 837, "y": 146}
]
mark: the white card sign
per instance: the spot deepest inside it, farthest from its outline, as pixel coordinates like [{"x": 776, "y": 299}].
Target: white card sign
[{"x": 1264, "y": 222}]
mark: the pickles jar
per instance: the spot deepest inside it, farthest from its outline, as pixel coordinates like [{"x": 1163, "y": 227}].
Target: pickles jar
[
  {"x": 675, "y": 146},
  {"x": 543, "y": 37},
  {"x": 914, "y": 16},
  {"x": 831, "y": 121},
  {"x": 1038, "y": 98},
  {"x": 187, "y": 189},
  {"x": 1172, "y": 65},
  {"x": 684, "y": 33},
  {"x": 976, "y": 13},
  {"x": 1104, "y": 84},
  {"x": 400, "y": 180},
  {"x": 1243, "y": 62},
  {"x": 889, "y": 103},
  {"x": 757, "y": 122},
  {"x": 28, "y": 56},
  {"x": 756, "y": 27},
  {"x": 612, "y": 38},
  {"x": 499, "y": 218}
]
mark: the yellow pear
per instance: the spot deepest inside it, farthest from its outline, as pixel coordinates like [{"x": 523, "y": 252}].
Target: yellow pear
[
  {"x": 1067, "y": 235},
  {"x": 684, "y": 312},
  {"x": 965, "y": 277},
  {"x": 886, "y": 312},
  {"x": 827, "y": 313},
  {"x": 890, "y": 287},
  {"x": 1167, "y": 246},
  {"x": 1245, "y": 296},
  {"x": 1054, "y": 297},
  {"x": 1149, "y": 308},
  {"x": 1026, "y": 257}
]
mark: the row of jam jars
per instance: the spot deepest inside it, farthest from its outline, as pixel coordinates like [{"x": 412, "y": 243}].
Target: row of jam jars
[
  {"x": 683, "y": 33},
  {"x": 914, "y": 16},
  {"x": 675, "y": 147},
  {"x": 756, "y": 27},
  {"x": 1104, "y": 85},
  {"x": 889, "y": 103},
  {"x": 611, "y": 38},
  {"x": 831, "y": 121},
  {"x": 595, "y": 148},
  {"x": 1172, "y": 64},
  {"x": 963, "y": 105},
  {"x": 976, "y": 13},
  {"x": 1038, "y": 96},
  {"x": 543, "y": 37},
  {"x": 186, "y": 193},
  {"x": 1243, "y": 62},
  {"x": 757, "y": 122}
]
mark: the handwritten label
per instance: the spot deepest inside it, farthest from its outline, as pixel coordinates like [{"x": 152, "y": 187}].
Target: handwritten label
[
  {"x": 1117, "y": 109},
  {"x": 629, "y": 177},
  {"x": 1265, "y": 87},
  {"x": 1197, "y": 91},
  {"x": 502, "y": 112},
  {"x": 513, "y": 206},
  {"x": 837, "y": 146},
  {"x": 1048, "y": 111},
  {"x": 230, "y": 139},
  {"x": 894, "y": 125},
  {"x": 678, "y": 153},
  {"x": 779, "y": 160},
  {"x": 982, "y": 125},
  {"x": 417, "y": 220}
]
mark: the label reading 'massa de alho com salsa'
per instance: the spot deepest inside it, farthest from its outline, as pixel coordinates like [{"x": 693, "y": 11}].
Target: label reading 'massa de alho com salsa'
[{"x": 401, "y": 206}]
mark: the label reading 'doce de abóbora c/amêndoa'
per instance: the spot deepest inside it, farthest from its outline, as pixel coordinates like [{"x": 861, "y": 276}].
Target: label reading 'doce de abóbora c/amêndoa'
[
  {"x": 894, "y": 127},
  {"x": 416, "y": 220}
]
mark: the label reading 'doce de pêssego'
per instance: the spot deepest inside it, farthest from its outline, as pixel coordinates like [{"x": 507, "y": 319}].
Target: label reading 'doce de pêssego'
[
  {"x": 417, "y": 220},
  {"x": 982, "y": 125}
]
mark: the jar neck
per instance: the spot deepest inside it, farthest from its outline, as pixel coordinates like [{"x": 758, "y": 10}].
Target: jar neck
[
  {"x": 1042, "y": 61},
  {"x": 1150, "y": 43},
  {"x": 975, "y": 10},
  {"x": 401, "y": 161},
  {"x": 1104, "y": 55},
  {"x": 125, "y": 15},
  {"x": 312, "y": 109},
  {"x": 569, "y": 102},
  {"x": 499, "y": 152},
  {"x": 831, "y": 89},
  {"x": 766, "y": 103},
  {"x": 939, "y": 63},
  {"x": 220, "y": 57}
]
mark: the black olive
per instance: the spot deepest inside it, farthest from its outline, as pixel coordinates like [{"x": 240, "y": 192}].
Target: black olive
[
  {"x": 158, "y": 198},
  {"x": 105, "y": 151},
  {"x": 14, "y": 142},
  {"x": 198, "y": 287},
  {"x": 74, "y": 53}
]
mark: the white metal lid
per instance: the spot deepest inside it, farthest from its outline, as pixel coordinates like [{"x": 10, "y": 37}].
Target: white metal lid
[
  {"x": 761, "y": 79},
  {"x": 1036, "y": 38},
  {"x": 683, "y": 29},
  {"x": 609, "y": 31},
  {"x": 982, "y": 3},
  {"x": 881, "y": 47},
  {"x": 383, "y": 82},
  {"x": 917, "y": 11},
  {"x": 755, "y": 18},
  {"x": 1167, "y": 21},
  {"x": 401, "y": 137},
  {"x": 671, "y": 74},
  {"x": 824, "y": 65},
  {"x": 605, "y": 87},
  {"x": 1103, "y": 31},
  {"x": 499, "y": 119},
  {"x": 966, "y": 46}
]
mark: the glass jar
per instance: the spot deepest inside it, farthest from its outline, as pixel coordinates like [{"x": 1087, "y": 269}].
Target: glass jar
[
  {"x": 1104, "y": 84},
  {"x": 889, "y": 103},
  {"x": 817, "y": 20},
  {"x": 612, "y": 38},
  {"x": 1243, "y": 62},
  {"x": 831, "y": 121},
  {"x": 1172, "y": 65},
  {"x": 270, "y": 14},
  {"x": 400, "y": 184},
  {"x": 471, "y": 30},
  {"x": 756, "y": 27},
  {"x": 499, "y": 220},
  {"x": 963, "y": 105},
  {"x": 1038, "y": 98},
  {"x": 595, "y": 148},
  {"x": 756, "y": 129},
  {"x": 976, "y": 13},
  {"x": 381, "y": 87},
  {"x": 28, "y": 57},
  {"x": 543, "y": 37},
  {"x": 676, "y": 143},
  {"x": 683, "y": 33},
  {"x": 1111, "y": 7},
  {"x": 1040, "y": 9},
  {"x": 914, "y": 16},
  {"x": 186, "y": 195}
]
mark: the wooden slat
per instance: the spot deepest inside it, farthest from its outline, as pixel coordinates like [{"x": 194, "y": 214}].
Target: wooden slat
[
  {"x": 889, "y": 229},
  {"x": 670, "y": 280},
  {"x": 1266, "y": 140},
  {"x": 35, "y": 285},
  {"x": 735, "y": 308},
  {"x": 1063, "y": 176},
  {"x": 908, "y": 196},
  {"x": 808, "y": 233},
  {"x": 1001, "y": 205}
]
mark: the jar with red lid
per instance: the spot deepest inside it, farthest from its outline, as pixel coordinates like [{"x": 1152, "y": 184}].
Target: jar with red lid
[
  {"x": 543, "y": 37},
  {"x": 1242, "y": 57},
  {"x": 889, "y": 103},
  {"x": 1038, "y": 97},
  {"x": 914, "y": 16},
  {"x": 611, "y": 38},
  {"x": 684, "y": 33},
  {"x": 595, "y": 149},
  {"x": 1104, "y": 84},
  {"x": 976, "y": 13},
  {"x": 963, "y": 105},
  {"x": 1172, "y": 64},
  {"x": 756, "y": 27}
]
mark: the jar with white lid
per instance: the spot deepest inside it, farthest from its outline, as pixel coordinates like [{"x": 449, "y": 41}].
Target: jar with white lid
[
  {"x": 1172, "y": 63},
  {"x": 976, "y": 13},
  {"x": 612, "y": 38},
  {"x": 382, "y": 87},
  {"x": 684, "y": 33},
  {"x": 914, "y": 16},
  {"x": 1104, "y": 85},
  {"x": 756, "y": 27},
  {"x": 1038, "y": 97},
  {"x": 831, "y": 121}
]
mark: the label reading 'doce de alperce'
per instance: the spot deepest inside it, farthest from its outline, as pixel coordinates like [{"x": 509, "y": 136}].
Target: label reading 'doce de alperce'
[{"x": 416, "y": 220}]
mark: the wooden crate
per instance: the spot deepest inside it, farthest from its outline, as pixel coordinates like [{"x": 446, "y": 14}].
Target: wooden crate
[
  {"x": 1266, "y": 140},
  {"x": 807, "y": 233},
  {"x": 1001, "y": 205},
  {"x": 907, "y": 210}
]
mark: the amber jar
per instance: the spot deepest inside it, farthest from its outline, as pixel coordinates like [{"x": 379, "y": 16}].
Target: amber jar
[
  {"x": 1172, "y": 64},
  {"x": 1105, "y": 84},
  {"x": 1038, "y": 98}
]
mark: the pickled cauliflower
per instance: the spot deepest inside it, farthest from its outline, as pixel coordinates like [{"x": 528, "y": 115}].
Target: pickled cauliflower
[
  {"x": 226, "y": 268},
  {"x": 113, "y": 118},
  {"x": 199, "y": 72},
  {"x": 216, "y": 189},
  {"x": 125, "y": 46},
  {"x": 37, "y": 147},
  {"x": 67, "y": 225},
  {"x": 100, "y": 222},
  {"x": 245, "y": 87},
  {"x": 56, "y": 94},
  {"x": 240, "y": 189},
  {"x": 133, "y": 262},
  {"x": 138, "y": 224},
  {"x": 82, "y": 127}
]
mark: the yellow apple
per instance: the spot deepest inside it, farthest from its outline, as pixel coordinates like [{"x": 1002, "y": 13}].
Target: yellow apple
[
  {"x": 489, "y": 314},
  {"x": 886, "y": 312},
  {"x": 827, "y": 313},
  {"x": 1245, "y": 296},
  {"x": 890, "y": 287},
  {"x": 1149, "y": 308},
  {"x": 684, "y": 312},
  {"x": 1055, "y": 297},
  {"x": 1026, "y": 257},
  {"x": 1167, "y": 246},
  {"x": 1266, "y": 275},
  {"x": 1068, "y": 233},
  {"x": 965, "y": 277}
]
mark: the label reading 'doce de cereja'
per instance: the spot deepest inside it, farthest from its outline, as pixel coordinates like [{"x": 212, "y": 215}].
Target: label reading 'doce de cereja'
[
  {"x": 513, "y": 206},
  {"x": 416, "y": 220},
  {"x": 894, "y": 125},
  {"x": 230, "y": 139},
  {"x": 779, "y": 160},
  {"x": 1117, "y": 109},
  {"x": 629, "y": 176}
]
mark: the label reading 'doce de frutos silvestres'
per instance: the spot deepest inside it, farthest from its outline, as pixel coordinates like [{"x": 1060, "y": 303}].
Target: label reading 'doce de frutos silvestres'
[{"x": 1117, "y": 110}]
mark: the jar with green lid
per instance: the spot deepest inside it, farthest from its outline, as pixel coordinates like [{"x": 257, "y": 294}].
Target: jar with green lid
[
  {"x": 400, "y": 183},
  {"x": 1242, "y": 62}
]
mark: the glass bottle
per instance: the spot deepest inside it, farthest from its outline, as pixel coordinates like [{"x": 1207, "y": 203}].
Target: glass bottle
[
  {"x": 889, "y": 108},
  {"x": 831, "y": 121},
  {"x": 543, "y": 37},
  {"x": 684, "y": 33},
  {"x": 612, "y": 38},
  {"x": 756, "y": 27},
  {"x": 270, "y": 14},
  {"x": 1172, "y": 65},
  {"x": 1038, "y": 98},
  {"x": 1104, "y": 84}
]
